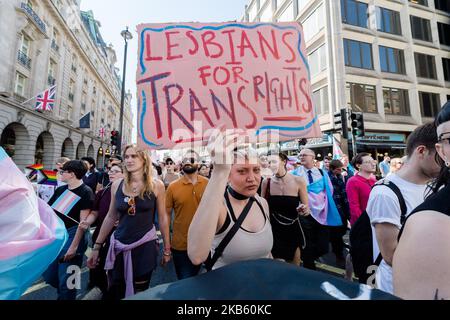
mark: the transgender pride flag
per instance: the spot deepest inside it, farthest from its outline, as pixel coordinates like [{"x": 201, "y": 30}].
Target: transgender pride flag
[
  {"x": 66, "y": 201},
  {"x": 31, "y": 234}
]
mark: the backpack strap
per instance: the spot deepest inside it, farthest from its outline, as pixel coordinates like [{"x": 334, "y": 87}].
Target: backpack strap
[
  {"x": 401, "y": 202},
  {"x": 209, "y": 263},
  {"x": 399, "y": 195}
]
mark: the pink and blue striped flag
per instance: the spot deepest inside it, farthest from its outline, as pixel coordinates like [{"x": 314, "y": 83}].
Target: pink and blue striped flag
[
  {"x": 31, "y": 234},
  {"x": 66, "y": 201}
]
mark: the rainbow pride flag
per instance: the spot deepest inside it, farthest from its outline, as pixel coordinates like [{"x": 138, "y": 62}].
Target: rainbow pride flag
[
  {"x": 31, "y": 234},
  {"x": 49, "y": 178},
  {"x": 36, "y": 167}
]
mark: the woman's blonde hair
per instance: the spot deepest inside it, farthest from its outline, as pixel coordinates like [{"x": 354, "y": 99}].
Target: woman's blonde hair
[{"x": 148, "y": 170}]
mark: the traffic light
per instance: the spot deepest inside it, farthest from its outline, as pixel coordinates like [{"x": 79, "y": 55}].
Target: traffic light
[
  {"x": 114, "y": 137},
  {"x": 357, "y": 124},
  {"x": 340, "y": 122}
]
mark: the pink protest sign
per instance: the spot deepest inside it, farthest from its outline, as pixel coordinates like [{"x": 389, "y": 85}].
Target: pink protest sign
[{"x": 193, "y": 77}]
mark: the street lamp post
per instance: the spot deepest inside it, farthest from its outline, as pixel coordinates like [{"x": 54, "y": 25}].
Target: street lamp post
[{"x": 126, "y": 35}]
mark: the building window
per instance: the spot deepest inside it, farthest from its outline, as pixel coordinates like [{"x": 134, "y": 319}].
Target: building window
[
  {"x": 69, "y": 113},
  {"x": 354, "y": 13},
  {"x": 25, "y": 45},
  {"x": 288, "y": 14},
  {"x": 361, "y": 97},
  {"x": 425, "y": 65},
  {"x": 443, "y": 5},
  {"x": 320, "y": 101},
  {"x": 421, "y": 29},
  {"x": 388, "y": 21},
  {"x": 74, "y": 63},
  {"x": 429, "y": 104},
  {"x": 301, "y": 4},
  {"x": 358, "y": 54},
  {"x": 444, "y": 32},
  {"x": 51, "y": 73},
  {"x": 446, "y": 67},
  {"x": 317, "y": 61},
  {"x": 396, "y": 101},
  {"x": 421, "y": 2},
  {"x": 266, "y": 14},
  {"x": 71, "y": 90},
  {"x": 314, "y": 23},
  {"x": 252, "y": 12},
  {"x": 21, "y": 82},
  {"x": 392, "y": 60}
]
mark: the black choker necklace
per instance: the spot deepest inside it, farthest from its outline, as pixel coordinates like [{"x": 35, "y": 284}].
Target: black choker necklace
[
  {"x": 236, "y": 195},
  {"x": 281, "y": 177}
]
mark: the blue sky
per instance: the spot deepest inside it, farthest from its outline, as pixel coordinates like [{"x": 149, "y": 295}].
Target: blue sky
[{"x": 115, "y": 15}]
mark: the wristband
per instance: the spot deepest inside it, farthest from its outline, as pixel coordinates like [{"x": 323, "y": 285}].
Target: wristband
[{"x": 167, "y": 254}]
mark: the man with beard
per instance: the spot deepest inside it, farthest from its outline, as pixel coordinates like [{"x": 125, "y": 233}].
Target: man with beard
[{"x": 183, "y": 196}]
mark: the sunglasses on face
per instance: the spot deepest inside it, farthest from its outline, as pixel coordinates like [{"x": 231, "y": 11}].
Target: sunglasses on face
[
  {"x": 189, "y": 160},
  {"x": 169, "y": 163},
  {"x": 132, "y": 208}
]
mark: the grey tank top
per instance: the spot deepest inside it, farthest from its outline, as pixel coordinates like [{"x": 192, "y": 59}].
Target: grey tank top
[{"x": 245, "y": 245}]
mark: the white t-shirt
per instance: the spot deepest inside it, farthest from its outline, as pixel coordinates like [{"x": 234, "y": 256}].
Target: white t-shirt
[{"x": 384, "y": 207}]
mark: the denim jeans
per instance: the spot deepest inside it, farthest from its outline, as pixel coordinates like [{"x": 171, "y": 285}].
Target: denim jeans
[
  {"x": 183, "y": 265},
  {"x": 57, "y": 274}
]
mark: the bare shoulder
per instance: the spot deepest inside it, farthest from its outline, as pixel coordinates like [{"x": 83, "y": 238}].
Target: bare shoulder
[
  {"x": 159, "y": 187},
  {"x": 423, "y": 253},
  {"x": 299, "y": 180},
  {"x": 428, "y": 223},
  {"x": 115, "y": 186}
]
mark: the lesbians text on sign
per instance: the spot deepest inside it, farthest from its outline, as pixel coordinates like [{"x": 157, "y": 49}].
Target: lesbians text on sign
[{"x": 194, "y": 77}]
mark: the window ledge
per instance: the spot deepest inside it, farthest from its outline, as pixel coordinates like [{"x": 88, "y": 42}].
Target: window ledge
[
  {"x": 444, "y": 13},
  {"x": 444, "y": 47},
  {"x": 432, "y": 82},
  {"x": 360, "y": 71},
  {"x": 447, "y": 84},
  {"x": 396, "y": 76},
  {"x": 424, "y": 43},
  {"x": 403, "y": 119},
  {"x": 419, "y": 6},
  {"x": 350, "y": 27},
  {"x": 392, "y": 36}
]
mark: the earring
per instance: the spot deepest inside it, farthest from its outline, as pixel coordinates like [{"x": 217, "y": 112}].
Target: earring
[{"x": 447, "y": 163}]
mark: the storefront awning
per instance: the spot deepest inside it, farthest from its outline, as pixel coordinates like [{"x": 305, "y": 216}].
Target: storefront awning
[{"x": 386, "y": 145}]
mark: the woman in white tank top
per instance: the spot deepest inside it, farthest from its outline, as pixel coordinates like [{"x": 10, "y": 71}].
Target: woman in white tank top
[{"x": 214, "y": 219}]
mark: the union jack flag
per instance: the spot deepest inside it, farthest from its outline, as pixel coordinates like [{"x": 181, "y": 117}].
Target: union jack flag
[{"x": 45, "y": 101}]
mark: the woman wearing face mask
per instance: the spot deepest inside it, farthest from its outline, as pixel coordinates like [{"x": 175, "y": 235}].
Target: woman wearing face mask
[
  {"x": 217, "y": 216},
  {"x": 133, "y": 250},
  {"x": 288, "y": 200},
  {"x": 97, "y": 276},
  {"x": 421, "y": 261}
]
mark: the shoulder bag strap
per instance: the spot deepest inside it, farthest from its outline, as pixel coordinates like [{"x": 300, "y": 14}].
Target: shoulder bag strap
[
  {"x": 267, "y": 194},
  {"x": 221, "y": 247}
]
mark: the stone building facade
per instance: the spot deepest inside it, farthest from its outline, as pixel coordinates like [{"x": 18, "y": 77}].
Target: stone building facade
[
  {"x": 52, "y": 42},
  {"x": 389, "y": 59}
]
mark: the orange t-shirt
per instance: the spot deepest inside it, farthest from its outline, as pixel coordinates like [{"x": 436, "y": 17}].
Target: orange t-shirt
[{"x": 184, "y": 198}]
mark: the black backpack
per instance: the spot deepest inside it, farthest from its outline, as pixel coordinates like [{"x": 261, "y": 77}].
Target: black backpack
[{"x": 361, "y": 240}]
